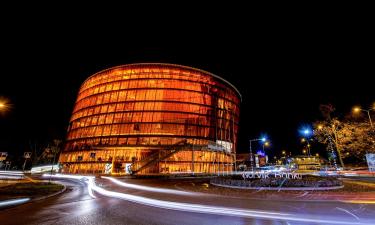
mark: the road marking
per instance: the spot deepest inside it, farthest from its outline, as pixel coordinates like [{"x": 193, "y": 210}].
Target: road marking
[{"x": 344, "y": 210}]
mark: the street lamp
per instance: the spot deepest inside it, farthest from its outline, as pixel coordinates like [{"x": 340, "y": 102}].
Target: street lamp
[
  {"x": 266, "y": 144},
  {"x": 263, "y": 139},
  {"x": 4, "y": 106},
  {"x": 359, "y": 109},
  {"x": 308, "y": 144},
  {"x": 306, "y": 133}
]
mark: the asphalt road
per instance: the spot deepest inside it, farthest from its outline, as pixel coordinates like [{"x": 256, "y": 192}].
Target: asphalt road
[{"x": 76, "y": 206}]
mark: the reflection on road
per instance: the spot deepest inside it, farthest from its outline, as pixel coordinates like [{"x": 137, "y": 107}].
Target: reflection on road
[{"x": 351, "y": 218}]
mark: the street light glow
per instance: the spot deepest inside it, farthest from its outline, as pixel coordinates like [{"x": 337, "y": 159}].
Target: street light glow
[
  {"x": 306, "y": 131},
  {"x": 356, "y": 109},
  {"x": 4, "y": 106}
]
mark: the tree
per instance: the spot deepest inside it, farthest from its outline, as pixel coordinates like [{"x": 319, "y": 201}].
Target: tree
[{"x": 352, "y": 139}]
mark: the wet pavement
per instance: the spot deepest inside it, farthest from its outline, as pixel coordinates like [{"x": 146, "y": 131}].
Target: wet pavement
[{"x": 76, "y": 206}]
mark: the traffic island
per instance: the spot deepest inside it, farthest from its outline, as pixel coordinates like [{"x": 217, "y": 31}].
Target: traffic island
[
  {"x": 293, "y": 182},
  {"x": 30, "y": 190},
  {"x": 352, "y": 191}
]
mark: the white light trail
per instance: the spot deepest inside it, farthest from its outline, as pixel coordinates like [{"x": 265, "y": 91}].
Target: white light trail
[
  {"x": 216, "y": 210},
  {"x": 151, "y": 189},
  {"x": 11, "y": 172},
  {"x": 40, "y": 169},
  {"x": 15, "y": 175},
  {"x": 89, "y": 180},
  {"x": 14, "y": 202}
]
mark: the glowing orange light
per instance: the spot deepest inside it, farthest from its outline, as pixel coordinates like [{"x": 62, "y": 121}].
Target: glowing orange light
[{"x": 356, "y": 109}]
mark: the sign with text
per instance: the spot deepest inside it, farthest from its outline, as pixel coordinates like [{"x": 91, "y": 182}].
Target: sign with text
[{"x": 267, "y": 175}]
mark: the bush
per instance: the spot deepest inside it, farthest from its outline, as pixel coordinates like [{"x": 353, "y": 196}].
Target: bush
[{"x": 306, "y": 181}]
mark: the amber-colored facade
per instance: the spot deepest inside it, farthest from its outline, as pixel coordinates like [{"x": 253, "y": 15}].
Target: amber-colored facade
[{"x": 153, "y": 118}]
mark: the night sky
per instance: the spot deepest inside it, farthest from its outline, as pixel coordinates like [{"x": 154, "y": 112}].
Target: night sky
[{"x": 283, "y": 68}]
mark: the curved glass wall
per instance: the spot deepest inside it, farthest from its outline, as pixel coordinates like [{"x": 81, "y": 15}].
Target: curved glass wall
[{"x": 133, "y": 111}]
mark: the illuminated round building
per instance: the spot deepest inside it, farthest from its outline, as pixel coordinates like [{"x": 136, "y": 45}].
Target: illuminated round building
[{"x": 152, "y": 118}]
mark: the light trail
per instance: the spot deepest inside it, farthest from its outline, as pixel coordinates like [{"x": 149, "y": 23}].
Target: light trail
[
  {"x": 89, "y": 180},
  {"x": 216, "y": 210},
  {"x": 15, "y": 175},
  {"x": 14, "y": 202},
  {"x": 151, "y": 189},
  {"x": 46, "y": 168},
  {"x": 11, "y": 172}
]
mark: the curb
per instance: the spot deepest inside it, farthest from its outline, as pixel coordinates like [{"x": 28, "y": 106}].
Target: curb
[
  {"x": 282, "y": 188},
  {"x": 51, "y": 195},
  {"x": 36, "y": 199}
]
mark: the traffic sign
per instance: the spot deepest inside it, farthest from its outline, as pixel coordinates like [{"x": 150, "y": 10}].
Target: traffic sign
[
  {"x": 27, "y": 155},
  {"x": 3, "y": 156}
]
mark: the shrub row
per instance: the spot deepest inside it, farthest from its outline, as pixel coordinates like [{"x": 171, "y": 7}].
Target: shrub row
[{"x": 307, "y": 181}]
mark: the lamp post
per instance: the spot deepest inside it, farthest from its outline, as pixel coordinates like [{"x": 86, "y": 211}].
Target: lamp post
[
  {"x": 358, "y": 109},
  {"x": 265, "y": 144},
  {"x": 308, "y": 145},
  {"x": 251, "y": 151},
  {"x": 307, "y": 133}
]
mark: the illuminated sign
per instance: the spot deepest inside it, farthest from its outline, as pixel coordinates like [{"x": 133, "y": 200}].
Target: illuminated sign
[
  {"x": 225, "y": 144},
  {"x": 128, "y": 168},
  {"x": 371, "y": 161},
  {"x": 27, "y": 155},
  {"x": 267, "y": 175}
]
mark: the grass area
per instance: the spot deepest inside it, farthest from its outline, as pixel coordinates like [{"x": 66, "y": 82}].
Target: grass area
[{"x": 29, "y": 189}]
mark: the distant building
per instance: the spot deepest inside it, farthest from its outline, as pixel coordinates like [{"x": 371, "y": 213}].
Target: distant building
[
  {"x": 243, "y": 161},
  {"x": 153, "y": 118},
  {"x": 304, "y": 162}
]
